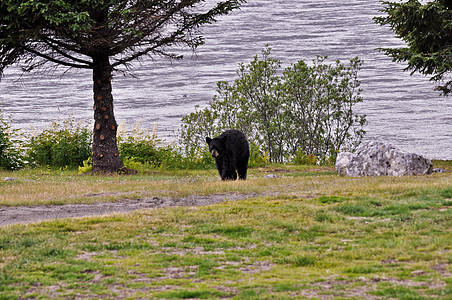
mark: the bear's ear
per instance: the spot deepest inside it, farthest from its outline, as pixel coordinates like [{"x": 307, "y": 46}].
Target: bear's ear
[{"x": 208, "y": 140}]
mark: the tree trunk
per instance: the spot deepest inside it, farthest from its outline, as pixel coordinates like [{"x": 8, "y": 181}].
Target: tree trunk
[{"x": 105, "y": 148}]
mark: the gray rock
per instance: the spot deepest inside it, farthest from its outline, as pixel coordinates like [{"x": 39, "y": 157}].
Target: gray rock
[
  {"x": 381, "y": 159},
  {"x": 270, "y": 176},
  {"x": 10, "y": 179}
]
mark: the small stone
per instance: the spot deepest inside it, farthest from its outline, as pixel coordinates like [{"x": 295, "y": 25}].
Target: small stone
[
  {"x": 10, "y": 179},
  {"x": 270, "y": 176}
]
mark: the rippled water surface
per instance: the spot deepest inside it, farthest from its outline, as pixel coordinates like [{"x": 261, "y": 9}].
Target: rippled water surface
[{"x": 401, "y": 109}]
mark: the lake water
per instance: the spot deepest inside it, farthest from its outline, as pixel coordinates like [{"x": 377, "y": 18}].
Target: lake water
[{"x": 401, "y": 109}]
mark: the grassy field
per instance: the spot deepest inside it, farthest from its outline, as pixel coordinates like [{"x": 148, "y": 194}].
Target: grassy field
[{"x": 306, "y": 234}]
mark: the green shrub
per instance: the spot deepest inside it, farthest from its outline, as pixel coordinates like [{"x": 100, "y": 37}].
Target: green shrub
[
  {"x": 63, "y": 145},
  {"x": 140, "y": 146},
  {"x": 302, "y": 109},
  {"x": 199, "y": 159},
  {"x": 301, "y": 158},
  {"x": 195, "y": 128},
  {"x": 135, "y": 164},
  {"x": 257, "y": 158},
  {"x": 11, "y": 157}
]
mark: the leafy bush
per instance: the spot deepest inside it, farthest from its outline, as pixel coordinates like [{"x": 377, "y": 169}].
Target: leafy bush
[
  {"x": 304, "y": 109},
  {"x": 257, "y": 158},
  {"x": 63, "y": 145},
  {"x": 140, "y": 146},
  {"x": 301, "y": 158},
  {"x": 195, "y": 128},
  {"x": 320, "y": 107},
  {"x": 11, "y": 157}
]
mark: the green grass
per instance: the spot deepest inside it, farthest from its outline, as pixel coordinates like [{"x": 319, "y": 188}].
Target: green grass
[{"x": 316, "y": 235}]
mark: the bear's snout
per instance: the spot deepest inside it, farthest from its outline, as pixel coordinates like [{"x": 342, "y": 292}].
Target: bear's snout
[{"x": 215, "y": 153}]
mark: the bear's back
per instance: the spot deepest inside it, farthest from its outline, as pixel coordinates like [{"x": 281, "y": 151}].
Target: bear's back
[{"x": 237, "y": 143}]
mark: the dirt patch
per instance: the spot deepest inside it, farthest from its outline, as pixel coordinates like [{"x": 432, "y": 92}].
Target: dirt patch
[
  {"x": 257, "y": 267},
  {"x": 32, "y": 214},
  {"x": 360, "y": 288}
]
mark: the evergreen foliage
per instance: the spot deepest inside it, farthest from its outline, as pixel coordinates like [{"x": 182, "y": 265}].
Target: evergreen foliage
[
  {"x": 427, "y": 30},
  {"x": 103, "y": 36}
]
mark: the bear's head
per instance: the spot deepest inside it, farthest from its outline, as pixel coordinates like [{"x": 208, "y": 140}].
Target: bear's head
[{"x": 217, "y": 146}]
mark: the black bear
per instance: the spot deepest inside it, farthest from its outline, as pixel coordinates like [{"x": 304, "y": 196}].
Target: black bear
[{"x": 231, "y": 152}]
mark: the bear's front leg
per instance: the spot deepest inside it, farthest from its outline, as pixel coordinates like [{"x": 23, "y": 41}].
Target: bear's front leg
[
  {"x": 219, "y": 168},
  {"x": 228, "y": 172}
]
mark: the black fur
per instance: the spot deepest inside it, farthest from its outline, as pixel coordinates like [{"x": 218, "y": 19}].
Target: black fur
[{"x": 231, "y": 152}]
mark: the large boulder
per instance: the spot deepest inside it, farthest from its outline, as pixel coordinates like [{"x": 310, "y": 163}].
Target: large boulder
[{"x": 380, "y": 159}]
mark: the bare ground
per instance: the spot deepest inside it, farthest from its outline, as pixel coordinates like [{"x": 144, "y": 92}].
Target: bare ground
[{"x": 33, "y": 214}]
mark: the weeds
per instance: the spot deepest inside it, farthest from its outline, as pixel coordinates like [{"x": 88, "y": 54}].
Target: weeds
[
  {"x": 63, "y": 145},
  {"x": 10, "y": 146}
]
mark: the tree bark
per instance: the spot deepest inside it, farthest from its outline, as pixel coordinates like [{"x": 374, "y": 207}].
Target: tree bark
[{"x": 105, "y": 148}]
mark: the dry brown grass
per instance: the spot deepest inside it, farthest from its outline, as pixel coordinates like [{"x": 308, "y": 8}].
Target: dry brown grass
[{"x": 301, "y": 182}]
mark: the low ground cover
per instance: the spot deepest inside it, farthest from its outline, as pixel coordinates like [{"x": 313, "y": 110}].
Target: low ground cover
[{"x": 306, "y": 234}]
